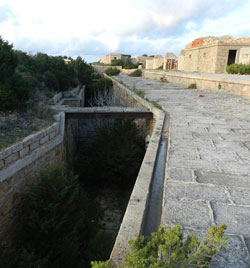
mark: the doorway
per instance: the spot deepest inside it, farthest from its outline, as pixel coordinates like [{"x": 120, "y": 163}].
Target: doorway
[{"x": 231, "y": 57}]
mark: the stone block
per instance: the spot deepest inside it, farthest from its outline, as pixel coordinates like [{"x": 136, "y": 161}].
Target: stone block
[
  {"x": 180, "y": 174},
  {"x": 221, "y": 178},
  {"x": 17, "y": 147},
  {"x": 5, "y": 153},
  {"x": 10, "y": 159},
  {"x": 188, "y": 213},
  {"x": 44, "y": 140},
  {"x": 235, "y": 255},
  {"x": 236, "y": 217},
  {"x": 195, "y": 191},
  {"x": 34, "y": 145},
  {"x": 52, "y": 135},
  {"x": 24, "y": 151}
]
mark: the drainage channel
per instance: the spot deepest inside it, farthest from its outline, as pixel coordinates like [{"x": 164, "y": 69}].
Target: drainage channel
[{"x": 154, "y": 209}]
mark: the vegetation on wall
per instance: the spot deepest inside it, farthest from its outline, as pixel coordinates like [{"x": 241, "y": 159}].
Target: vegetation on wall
[
  {"x": 136, "y": 73},
  {"x": 112, "y": 71},
  {"x": 238, "y": 69},
  {"x": 169, "y": 249},
  {"x": 56, "y": 226}
]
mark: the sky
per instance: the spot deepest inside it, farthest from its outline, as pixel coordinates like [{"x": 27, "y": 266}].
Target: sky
[{"x": 94, "y": 28}]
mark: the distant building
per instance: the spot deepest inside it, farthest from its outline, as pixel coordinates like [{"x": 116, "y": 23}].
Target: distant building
[
  {"x": 212, "y": 55},
  {"x": 170, "y": 61},
  {"x": 114, "y": 56},
  {"x": 141, "y": 60},
  {"x": 155, "y": 62}
]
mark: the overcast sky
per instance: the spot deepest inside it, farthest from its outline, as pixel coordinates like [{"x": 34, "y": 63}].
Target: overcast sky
[{"x": 94, "y": 28}]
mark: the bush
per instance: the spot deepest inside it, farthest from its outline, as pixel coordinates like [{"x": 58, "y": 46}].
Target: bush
[
  {"x": 116, "y": 63},
  {"x": 136, "y": 73},
  {"x": 238, "y": 69},
  {"x": 56, "y": 225},
  {"x": 129, "y": 65},
  {"x": 112, "y": 71},
  {"x": 169, "y": 250},
  {"x": 116, "y": 146},
  {"x": 192, "y": 86}
]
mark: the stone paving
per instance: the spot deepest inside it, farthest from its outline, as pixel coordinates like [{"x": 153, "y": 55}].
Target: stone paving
[{"x": 208, "y": 168}]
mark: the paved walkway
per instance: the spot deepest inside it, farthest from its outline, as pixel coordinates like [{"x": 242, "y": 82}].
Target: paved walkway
[{"x": 208, "y": 169}]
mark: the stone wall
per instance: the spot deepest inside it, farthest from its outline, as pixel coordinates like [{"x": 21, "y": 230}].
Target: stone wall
[
  {"x": 181, "y": 61},
  {"x": 21, "y": 163},
  {"x": 205, "y": 81},
  {"x": 244, "y": 56},
  {"x": 102, "y": 69}
]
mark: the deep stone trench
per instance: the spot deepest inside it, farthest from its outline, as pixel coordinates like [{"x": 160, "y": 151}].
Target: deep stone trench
[{"x": 111, "y": 197}]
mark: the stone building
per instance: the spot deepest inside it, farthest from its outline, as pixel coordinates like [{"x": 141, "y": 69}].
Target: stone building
[
  {"x": 141, "y": 60},
  {"x": 170, "y": 61},
  {"x": 154, "y": 62},
  {"x": 112, "y": 56},
  {"x": 212, "y": 55}
]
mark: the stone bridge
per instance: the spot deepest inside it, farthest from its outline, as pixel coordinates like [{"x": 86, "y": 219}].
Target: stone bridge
[{"x": 207, "y": 175}]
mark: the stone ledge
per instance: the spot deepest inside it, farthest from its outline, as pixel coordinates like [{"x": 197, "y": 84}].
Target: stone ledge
[{"x": 133, "y": 221}]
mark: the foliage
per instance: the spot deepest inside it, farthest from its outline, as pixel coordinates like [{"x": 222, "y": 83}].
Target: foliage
[
  {"x": 192, "y": 86},
  {"x": 116, "y": 62},
  {"x": 128, "y": 64},
  {"x": 160, "y": 67},
  {"x": 238, "y": 69},
  {"x": 112, "y": 71},
  {"x": 168, "y": 249},
  {"x": 101, "y": 264},
  {"x": 116, "y": 146},
  {"x": 136, "y": 73},
  {"x": 139, "y": 92},
  {"x": 56, "y": 225},
  {"x": 13, "y": 89}
]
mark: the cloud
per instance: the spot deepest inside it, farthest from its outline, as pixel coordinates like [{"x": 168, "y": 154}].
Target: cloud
[
  {"x": 95, "y": 28},
  {"x": 6, "y": 12}
]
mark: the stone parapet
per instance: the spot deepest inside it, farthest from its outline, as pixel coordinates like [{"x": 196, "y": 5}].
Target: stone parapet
[
  {"x": 233, "y": 84},
  {"x": 25, "y": 147}
]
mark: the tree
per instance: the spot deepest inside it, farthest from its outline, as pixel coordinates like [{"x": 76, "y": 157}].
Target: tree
[{"x": 8, "y": 60}]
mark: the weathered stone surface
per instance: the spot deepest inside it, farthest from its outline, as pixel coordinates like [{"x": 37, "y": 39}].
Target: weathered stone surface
[
  {"x": 195, "y": 191},
  {"x": 34, "y": 145},
  {"x": 189, "y": 213},
  {"x": 209, "y": 144},
  {"x": 44, "y": 139},
  {"x": 221, "y": 178},
  {"x": 235, "y": 255},
  {"x": 11, "y": 158},
  {"x": 240, "y": 195},
  {"x": 237, "y": 218},
  {"x": 181, "y": 174},
  {"x": 24, "y": 151}
]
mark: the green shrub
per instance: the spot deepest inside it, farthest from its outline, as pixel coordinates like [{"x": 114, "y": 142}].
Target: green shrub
[
  {"x": 116, "y": 147},
  {"x": 192, "y": 86},
  {"x": 168, "y": 249},
  {"x": 56, "y": 225},
  {"x": 128, "y": 64},
  {"x": 238, "y": 69},
  {"x": 139, "y": 92},
  {"x": 116, "y": 63},
  {"x": 112, "y": 71},
  {"x": 136, "y": 73}
]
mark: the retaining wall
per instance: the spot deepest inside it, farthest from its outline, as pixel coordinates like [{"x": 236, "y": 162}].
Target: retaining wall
[
  {"x": 21, "y": 163},
  {"x": 233, "y": 85},
  {"x": 134, "y": 219}
]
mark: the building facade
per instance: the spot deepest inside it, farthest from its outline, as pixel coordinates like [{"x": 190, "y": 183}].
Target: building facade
[{"x": 212, "y": 55}]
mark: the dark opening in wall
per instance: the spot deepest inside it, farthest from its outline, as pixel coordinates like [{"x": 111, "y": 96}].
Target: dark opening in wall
[{"x": 231, "y": 57}]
